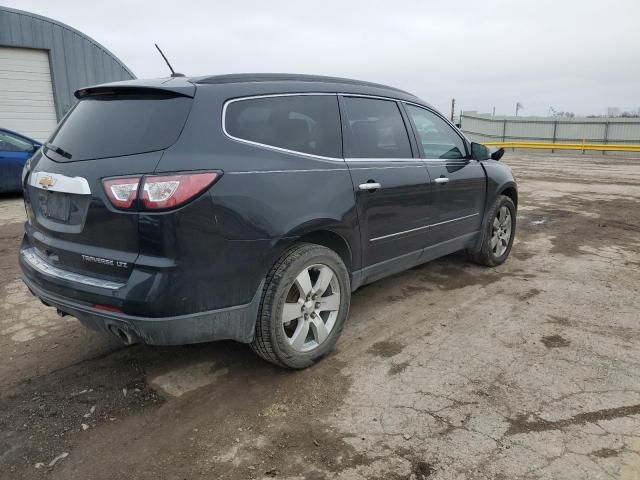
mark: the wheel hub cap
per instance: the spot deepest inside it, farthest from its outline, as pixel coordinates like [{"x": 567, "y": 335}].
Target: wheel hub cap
[{"x": 309, "y": 306}]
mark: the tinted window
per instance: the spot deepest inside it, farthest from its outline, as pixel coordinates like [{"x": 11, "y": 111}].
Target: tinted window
[
  {"x": 438, "y": 138},
  {"x": 115, "y": 125},
  {"x": 376, "y": 129},
  {"x": 303, "y": 123},
  {"x": 12, "y": 143}
]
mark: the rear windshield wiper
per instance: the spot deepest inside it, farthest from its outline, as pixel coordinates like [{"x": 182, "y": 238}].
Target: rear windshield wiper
[{"x": 58, "y": 150}]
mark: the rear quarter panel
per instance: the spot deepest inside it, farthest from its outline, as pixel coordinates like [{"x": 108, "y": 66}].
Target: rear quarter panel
[{"x": 265, "y": 200}]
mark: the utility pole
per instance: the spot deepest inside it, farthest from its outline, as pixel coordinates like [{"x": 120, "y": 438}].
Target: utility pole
[
  {"x": 518, "y": 107},
  {"x": 494, "y": 112},
  {"x": 453, "y": 108}
]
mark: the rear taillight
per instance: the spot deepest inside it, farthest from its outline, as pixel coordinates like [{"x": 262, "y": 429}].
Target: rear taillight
[
  {"x": 122, "y": 191},
  {"x": 169, "y": 191},
  {"x": 158, "y": 192}
]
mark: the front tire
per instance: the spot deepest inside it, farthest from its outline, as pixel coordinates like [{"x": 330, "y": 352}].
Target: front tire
[
  {"x": 498, "y": 234},
  {"x": 304, "y": 306}
]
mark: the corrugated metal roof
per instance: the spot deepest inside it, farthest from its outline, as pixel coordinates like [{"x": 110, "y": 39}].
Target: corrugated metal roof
[{"x": 76, "y": 60}]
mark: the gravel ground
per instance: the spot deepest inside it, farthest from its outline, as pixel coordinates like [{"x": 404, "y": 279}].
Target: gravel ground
[{"x": 447, "y": 371}]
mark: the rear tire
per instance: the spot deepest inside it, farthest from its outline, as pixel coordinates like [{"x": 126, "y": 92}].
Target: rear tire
[
  {"x": 304, "y": 306},
  {"x": 499, "y": 230}
]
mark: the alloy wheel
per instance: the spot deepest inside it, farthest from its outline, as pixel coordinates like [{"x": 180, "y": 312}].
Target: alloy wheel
[
  {"x": 311, "y": 307},
  {"x": 501, "y": 231}
]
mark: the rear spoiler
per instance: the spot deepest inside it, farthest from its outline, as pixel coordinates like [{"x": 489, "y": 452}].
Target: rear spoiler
[{"x": 175, "y": 86}]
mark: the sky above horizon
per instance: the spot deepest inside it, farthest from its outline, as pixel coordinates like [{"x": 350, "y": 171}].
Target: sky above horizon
[{"x": 573, "y": 55}]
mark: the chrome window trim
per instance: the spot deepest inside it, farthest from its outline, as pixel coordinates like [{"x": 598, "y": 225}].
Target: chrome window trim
[
  {"x": 272, "y": 147},
  {"x": 298, "y": 94},
  {"x": 245, "y": 172},
  {"x": 422, "y": 228},
  {"x": 332, "y": 159},
  {"x": 448, "y": 162},
  {"x": 373, "y": 160},
  {"x": 377, "y": 97},
  {"x": 387, "y": 167},
  {"x": 37, "y": 263},
  {"x": 453, "y": 161},
  {"x": 375, "y": 167},
  {"x": 288, "y": 171}
]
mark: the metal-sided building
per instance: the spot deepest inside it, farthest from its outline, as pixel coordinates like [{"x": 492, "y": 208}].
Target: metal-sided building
[{"x": 42, "y": 62}]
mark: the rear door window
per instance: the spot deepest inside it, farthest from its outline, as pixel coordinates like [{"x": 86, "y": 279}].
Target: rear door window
[
  {"x": 117, "y": 124},
  {"x": 301, "y": 123},
  {"x": 375, "y": 129}
]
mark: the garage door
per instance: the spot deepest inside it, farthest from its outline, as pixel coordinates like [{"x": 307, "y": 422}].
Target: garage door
[{"x": 26, "y": 92}]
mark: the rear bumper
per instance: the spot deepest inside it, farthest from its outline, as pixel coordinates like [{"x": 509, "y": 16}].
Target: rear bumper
[
  {"x": 232, "y": 323},
  {"x": 77, "y": 295}
]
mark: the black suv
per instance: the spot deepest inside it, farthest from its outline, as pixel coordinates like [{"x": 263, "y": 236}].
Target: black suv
[{"x": 249, "y": 207}]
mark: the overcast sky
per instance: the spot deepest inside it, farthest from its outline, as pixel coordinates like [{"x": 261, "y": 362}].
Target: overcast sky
[{"x": 574, "y": 55}]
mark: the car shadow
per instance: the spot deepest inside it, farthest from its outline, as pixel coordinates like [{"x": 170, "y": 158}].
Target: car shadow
[{"x": 10, "y": 195}]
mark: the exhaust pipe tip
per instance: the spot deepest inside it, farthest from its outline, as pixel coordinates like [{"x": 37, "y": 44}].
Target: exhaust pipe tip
[{"x": 125, "y": 335}]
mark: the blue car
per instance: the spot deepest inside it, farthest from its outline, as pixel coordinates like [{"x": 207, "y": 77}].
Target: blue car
[{"x": 15, "y": 150}]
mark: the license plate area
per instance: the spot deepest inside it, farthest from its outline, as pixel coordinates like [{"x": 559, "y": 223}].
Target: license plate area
[
  {"x": 59, "y": 211},
  {"x": 55, "y": 206}
]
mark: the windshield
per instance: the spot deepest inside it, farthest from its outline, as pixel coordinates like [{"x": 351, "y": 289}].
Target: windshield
[{"x": 114, "y": 125}]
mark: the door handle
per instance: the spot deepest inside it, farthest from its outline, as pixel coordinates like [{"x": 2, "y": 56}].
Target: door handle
[
  {"x": 369, "y": 186},
  {"x": 441, "y": 180}
]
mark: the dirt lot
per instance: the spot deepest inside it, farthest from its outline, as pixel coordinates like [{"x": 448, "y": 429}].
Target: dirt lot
[{"x": 448, "y": 371}]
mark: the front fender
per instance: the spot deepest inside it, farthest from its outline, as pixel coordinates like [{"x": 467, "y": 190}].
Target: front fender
[{"x": 500, "y": 179}]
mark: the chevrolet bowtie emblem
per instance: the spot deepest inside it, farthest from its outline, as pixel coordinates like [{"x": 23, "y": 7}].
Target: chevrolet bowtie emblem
[{"x": 47, "y": 182}]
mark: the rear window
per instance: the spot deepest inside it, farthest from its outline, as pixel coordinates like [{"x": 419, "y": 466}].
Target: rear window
[
  {"x": 302, "y": 123},
  {"x": 113, "y": 125}
]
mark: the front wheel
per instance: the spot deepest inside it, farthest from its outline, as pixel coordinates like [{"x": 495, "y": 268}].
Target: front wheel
[
  {"x": 499, "y": 233},
  {"x": 304, "y": 307}
]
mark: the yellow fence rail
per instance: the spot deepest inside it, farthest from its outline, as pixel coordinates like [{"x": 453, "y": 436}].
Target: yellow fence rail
[{"x": 567, "y": 146}]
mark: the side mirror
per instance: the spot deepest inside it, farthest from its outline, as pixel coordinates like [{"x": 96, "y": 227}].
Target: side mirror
[
  {"x": 480, "y": 152},
  {"x": 497, "y": 154}
]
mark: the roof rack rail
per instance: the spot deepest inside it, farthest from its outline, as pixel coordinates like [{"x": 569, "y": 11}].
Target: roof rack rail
[{"x": 287, "y": 77}]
